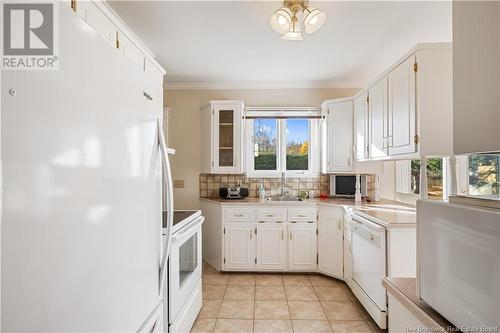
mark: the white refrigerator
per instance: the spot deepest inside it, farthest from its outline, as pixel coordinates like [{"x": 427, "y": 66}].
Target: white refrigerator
[
  {"x": 459, "y": 260},
  {"x": 82, "y": 192}
]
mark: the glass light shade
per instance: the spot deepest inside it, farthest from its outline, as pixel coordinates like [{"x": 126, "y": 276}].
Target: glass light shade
[
  {"x": 281, "y": 20},
  {"x": 292, "y": 35},
  {"x": 313, "y": 20},
  {"x": 295, "y": 32}
]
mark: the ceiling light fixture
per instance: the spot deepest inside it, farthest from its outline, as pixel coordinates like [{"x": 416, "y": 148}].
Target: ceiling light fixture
[{"x": 289, "y": 19}]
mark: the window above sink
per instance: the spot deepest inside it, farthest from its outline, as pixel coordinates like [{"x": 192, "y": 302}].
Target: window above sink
[{"x": 284, "y": 140}]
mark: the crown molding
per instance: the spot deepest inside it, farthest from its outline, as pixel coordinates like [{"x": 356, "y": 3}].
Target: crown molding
[{"x": 259, "y": 86}]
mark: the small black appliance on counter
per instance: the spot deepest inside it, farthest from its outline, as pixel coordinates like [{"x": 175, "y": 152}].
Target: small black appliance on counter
[{"x": 233, "y": 192}]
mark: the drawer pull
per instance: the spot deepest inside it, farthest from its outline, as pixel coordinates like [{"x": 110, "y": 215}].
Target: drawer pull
[
  {"x": 269, "y": 215},
  {"x": 301, "y": 215},
  {"x": 239, "y": 215},
  {"x": 293, "y": 221},
  {"x": 262, "y": 221}
]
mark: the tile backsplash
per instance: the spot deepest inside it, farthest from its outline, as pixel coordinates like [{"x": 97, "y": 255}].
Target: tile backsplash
[{"x": 210, "y": 183}]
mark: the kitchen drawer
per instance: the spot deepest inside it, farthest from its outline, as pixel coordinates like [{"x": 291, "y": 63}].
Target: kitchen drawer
[
  {"x": 271, "y": 214},
  {"x": 302, "y": 215},
  {"x": 239, "y": 215}
]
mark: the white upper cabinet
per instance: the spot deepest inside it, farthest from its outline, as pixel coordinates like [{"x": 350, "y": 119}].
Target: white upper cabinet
[
  {"x": 361, "y": 126},
  {"x": 271, "y": 246},
  {"x": 239, "y": 243},
  {"x": 405, "y": 104},
  {"x": 330, "y": 241},
  {"x": 94, "y": 17},
  {"x": 377, "y": 123},
  {"x": 339, "y": 125},
  {"x": 402, "y": 103},
  {"x": 101, "y": 18},
  {"x": 302, "y": 252},
  {"x": 476, "y": 76},
  {"x": 223, "y": 137}
]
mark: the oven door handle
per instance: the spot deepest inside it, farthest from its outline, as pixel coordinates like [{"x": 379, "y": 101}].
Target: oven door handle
[{"x": 189, "y": 229}]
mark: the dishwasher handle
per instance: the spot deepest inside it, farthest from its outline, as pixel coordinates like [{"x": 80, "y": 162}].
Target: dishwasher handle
[{"x": 367, "y": 234}]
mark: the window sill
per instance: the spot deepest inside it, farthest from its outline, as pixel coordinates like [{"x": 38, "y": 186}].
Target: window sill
[{"x": 276, "y": 174}]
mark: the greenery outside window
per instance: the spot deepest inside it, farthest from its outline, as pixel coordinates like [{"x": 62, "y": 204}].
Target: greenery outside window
[
  {"x": 483, "y": 174},
  {"x": 408, "y": 177},
  {"x": 277, "y": 145}
]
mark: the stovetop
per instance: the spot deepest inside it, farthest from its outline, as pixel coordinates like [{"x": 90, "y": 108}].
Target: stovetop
[{"x": 181, "y": 217}]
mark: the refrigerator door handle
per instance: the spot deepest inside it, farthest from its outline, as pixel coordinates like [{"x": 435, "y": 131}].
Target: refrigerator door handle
[{"x": 167, "y": 176}]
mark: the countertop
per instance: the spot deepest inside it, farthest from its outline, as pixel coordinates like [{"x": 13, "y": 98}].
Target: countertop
[
  {"x": 387, "y": 213},
  {"x": 405, "y": 291}
]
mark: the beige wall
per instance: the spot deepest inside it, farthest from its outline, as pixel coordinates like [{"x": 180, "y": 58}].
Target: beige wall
[
  {"x": 184, "y": 126},
  {"x": 388, "y": 185}
]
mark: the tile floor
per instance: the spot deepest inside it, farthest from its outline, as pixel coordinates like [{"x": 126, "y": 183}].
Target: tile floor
[{"x": 279, "y": 303}]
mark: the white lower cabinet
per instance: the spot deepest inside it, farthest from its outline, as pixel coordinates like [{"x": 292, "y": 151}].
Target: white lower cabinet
[
  {"x": 347, "y": 250},
  {"x": 239, "y": 246},
  {"x": 302, "y": 246},
  {"x": 330, "y": 241},
  {"x": 271, "y": 246}
]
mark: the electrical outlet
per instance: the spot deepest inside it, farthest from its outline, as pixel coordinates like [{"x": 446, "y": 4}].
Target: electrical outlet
[{"x": 179, "y": 183}]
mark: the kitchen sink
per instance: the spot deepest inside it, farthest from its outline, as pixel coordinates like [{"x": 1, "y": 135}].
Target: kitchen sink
[{"x": 283, "y": 199}]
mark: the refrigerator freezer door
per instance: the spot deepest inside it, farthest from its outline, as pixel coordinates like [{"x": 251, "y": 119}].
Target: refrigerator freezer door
[
  {"x": 81, "y": 180},
  {"x": 459, "y": 262}
]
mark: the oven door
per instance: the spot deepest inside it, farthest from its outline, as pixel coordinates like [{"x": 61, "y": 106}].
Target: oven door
[{"x": 184, "y": 266}]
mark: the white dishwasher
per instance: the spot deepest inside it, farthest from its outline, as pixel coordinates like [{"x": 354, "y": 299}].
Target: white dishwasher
[{"x": 369, "y": 266}]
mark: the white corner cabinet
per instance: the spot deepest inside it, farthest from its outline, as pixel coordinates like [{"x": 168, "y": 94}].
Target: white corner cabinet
[
  {"x": 331, "y": 240},
  {"x": 337, "y": 140},
  {"x": 405, "y": 113},
  {"x": 222, "y": 137}
]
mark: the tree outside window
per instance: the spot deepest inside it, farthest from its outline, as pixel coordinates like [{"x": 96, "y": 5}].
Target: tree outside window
[{"x": 484, "y": 174}]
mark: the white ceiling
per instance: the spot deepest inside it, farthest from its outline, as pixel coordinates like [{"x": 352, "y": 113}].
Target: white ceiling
[{"x": 230, "y": 43}]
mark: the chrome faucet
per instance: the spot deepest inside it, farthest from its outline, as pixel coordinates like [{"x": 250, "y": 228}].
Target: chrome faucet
[{"x": 283, "y": 183}]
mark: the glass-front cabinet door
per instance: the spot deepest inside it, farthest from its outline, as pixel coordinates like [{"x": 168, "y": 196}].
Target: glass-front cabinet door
[{"x": 227, "y": 136}]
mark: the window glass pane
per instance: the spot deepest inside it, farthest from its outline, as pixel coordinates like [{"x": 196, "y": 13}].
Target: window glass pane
[
  {"x": 484, "y": 174},
  {"x": 297, "y": 144},
  {"x": 434, "y": 178},
  {"x": 226, "y": 145},
  {"x": 265, "y": 142}
]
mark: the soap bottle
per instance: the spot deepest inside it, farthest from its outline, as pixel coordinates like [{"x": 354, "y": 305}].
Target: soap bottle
[{"x": 262, "y": 192}]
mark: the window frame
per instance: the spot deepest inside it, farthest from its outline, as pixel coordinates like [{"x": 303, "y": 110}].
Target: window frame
[
  {"x": 403, "y": 177},
  {"x": 463, "y": 175},
  {"x": 313, "y": 159}
]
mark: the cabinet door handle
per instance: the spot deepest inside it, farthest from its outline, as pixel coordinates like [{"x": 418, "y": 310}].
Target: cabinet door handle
[
  {"x": 290, "y": 235},
  {"x": 349, "y": 161},
  {"x": 339, "y": 225},
  {"x": 282, "y": 235},
  {"x": 251, "y": 234}
]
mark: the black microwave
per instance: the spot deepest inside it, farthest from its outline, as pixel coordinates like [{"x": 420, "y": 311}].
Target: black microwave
[{"x": 345, "y": 185}]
